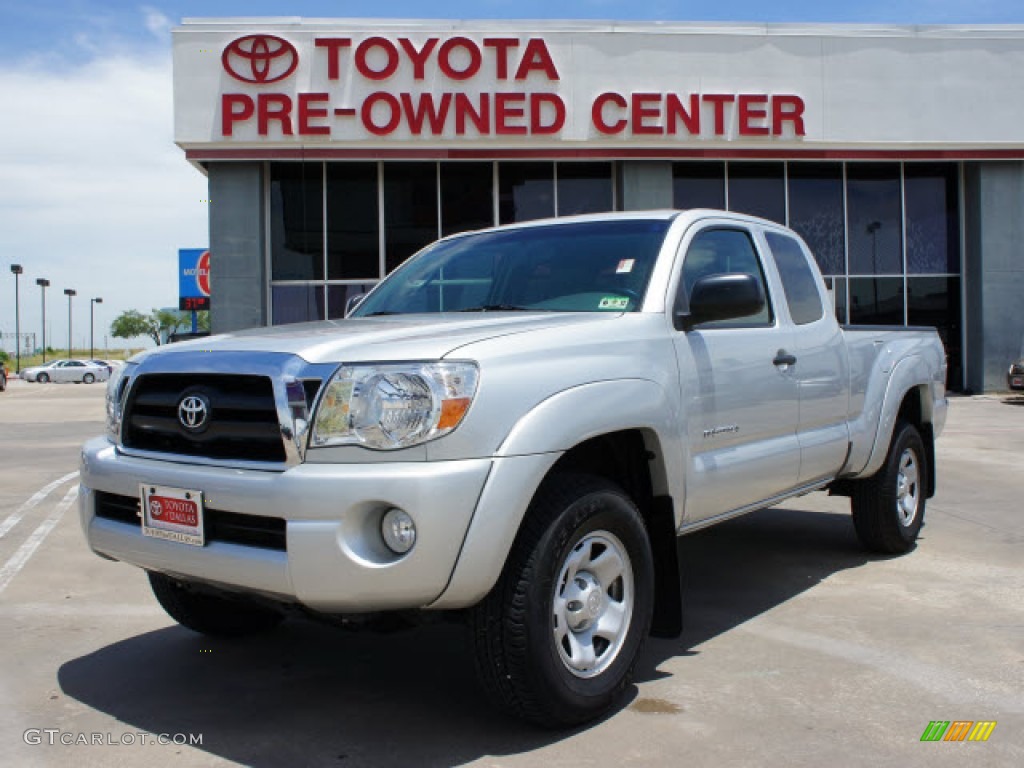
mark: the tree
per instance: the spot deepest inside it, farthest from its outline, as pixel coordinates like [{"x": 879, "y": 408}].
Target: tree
[
  {"x": 169, "y": 322},
  {"x": 132, "y": 323},
  {"x": 157, "y": 325}
]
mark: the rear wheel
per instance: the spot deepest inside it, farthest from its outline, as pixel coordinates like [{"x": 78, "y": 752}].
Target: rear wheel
[
  {"x": 42, "y": 378},
  {"x": 557, "y": 639},
  {"x": 88, "y": 378},
  {"x": 210, "y": 613},
  {"x": 888, "y": 508}
]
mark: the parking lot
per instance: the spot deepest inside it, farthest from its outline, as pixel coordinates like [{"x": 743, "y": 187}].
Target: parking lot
[{"x": 798, "y": 649}]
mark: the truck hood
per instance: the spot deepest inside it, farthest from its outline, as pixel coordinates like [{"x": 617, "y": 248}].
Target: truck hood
[{"x": 395, "y": 337}]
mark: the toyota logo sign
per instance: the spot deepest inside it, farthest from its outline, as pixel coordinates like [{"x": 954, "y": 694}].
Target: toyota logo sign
[
  {"x": 260, "y": 59},
  {"x": 193, "y": 411}
]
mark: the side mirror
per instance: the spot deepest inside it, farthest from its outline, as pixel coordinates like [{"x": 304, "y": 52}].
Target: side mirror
[
  {"x": 721, "y": 297},
  {"x": 353, "y": 302}
]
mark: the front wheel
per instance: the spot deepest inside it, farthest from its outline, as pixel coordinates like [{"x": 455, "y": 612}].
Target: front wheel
[
  {"x": 42, "y": 378},
  {"x": 88, "y": 378},
  {"x": 209, "y": 613},
  {"x": 888, "y": 508},
  {"x": 557, "y": 639}
]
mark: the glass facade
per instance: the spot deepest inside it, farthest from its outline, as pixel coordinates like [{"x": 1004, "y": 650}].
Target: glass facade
[
  {"x": 380, "y": 213},
  {"x": 758, "y": 189},
  {"x": 887, "y": 235}
]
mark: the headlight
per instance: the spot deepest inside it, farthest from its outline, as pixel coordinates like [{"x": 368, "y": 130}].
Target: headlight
[
  {"x": 392, "y": 406},
  {"x": 115, "y": 400}
]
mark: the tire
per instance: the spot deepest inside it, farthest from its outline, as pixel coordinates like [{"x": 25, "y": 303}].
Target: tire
[
  {"x": 209, "y": 613},
  {"x": 888, "y": 508},
  {"x": 43, "y": 378},
  {"x": 88, "y": 378},
  {"x": 538, "y": 654},
  {"x": 3, "y": 383}
]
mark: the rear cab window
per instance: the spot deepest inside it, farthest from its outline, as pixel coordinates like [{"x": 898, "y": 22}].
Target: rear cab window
[{"x": 798, "y": 281}]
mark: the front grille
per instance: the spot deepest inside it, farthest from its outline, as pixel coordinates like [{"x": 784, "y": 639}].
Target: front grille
[
  {"x": 228, "y": 527},
  {"x": 242, "y": 422}
]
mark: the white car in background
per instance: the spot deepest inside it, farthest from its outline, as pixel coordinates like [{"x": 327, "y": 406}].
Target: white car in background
[{"x": 78, "y": 371}]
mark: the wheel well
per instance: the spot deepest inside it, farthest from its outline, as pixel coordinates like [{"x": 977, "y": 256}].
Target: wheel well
[
  {"x": 621, "y": 457},
  {"x": 626, "y": 459},
  {"x": 912, "y": 410}
]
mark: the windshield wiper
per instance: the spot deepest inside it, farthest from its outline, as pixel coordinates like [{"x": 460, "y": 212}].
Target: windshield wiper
[
  {"x": 382, "y": 312},
  {"x": 496, "y": 308}
]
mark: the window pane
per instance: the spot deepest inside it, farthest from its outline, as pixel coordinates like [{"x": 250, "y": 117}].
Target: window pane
[
  {"x": 410, "y": 209},
  {"x": 933, "y": 217},
  {"x": 935, "y": 301},
  {"x": 758, "y": 189},
  {"x": 297, "y": 303},
  {"x": 698, "y": 185},
  {"x": 876, "y": 300},
  {"x": 873, "y": 200},
  {"x": 725, "y": 251},
  {"x": 297, "y": 221},
  {"x": 525, "y": 191},
  {"x": 837, "y": 287},
  {"x": 353, "y": 246},
  {"x": 798, "y": 280},
  {"x": 816, "y": 212},
  {"x": 338, "y": 296},
  {"x": 584, "y": 188},
  {"x": 467, "y": 196}
]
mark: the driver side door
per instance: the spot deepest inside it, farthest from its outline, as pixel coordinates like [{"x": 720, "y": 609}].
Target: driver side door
[{"x": 741, "y": 404}]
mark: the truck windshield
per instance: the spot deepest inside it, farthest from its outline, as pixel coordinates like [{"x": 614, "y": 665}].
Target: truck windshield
[{"x": 599, "y": 266}]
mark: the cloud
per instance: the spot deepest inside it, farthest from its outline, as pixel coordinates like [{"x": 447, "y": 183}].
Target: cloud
[
  {"x": 94, "y": 195},
  {"x": 156, "y": 22}
]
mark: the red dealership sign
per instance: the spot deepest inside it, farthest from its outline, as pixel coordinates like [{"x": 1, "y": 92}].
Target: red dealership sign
[{"x": 520, "y": 93}]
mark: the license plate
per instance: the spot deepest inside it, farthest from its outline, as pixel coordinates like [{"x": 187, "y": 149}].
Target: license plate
[
  {"x": 1018, "y": 381},
  {"x": 172, "y": 514}
]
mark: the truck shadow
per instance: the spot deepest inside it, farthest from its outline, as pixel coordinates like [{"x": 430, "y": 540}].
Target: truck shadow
[
  {"x": 742, "y": 568},
  {"x": 309, "y": 694}
]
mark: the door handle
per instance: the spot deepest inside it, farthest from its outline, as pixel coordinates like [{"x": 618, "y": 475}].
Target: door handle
[{"x": 782, "y": 357}]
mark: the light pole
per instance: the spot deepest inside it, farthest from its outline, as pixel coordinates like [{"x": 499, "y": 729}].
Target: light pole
[
  {"x": 43, "y": 284},
  {"x": 872, "y": 229},
  {"x": 91, "y": 303},
  {"x": 69, "y": 292},
  {"x": 16, "y": 271}
]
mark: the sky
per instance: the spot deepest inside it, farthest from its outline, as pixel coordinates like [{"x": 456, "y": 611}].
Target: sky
[{"x": 96, "y": 197}]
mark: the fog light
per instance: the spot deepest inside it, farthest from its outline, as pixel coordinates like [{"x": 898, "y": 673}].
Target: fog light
[{"x": 398, "y": 530}]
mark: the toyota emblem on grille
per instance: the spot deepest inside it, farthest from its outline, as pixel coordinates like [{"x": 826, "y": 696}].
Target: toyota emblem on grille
[{"x": 193, "y": 411}]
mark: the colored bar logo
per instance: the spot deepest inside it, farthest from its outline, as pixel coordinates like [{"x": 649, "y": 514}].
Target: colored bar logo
[{"x": 958, "y": 730}]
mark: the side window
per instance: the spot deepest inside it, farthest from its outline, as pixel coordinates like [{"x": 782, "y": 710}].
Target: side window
[
  {"x": 721, "y": 252},
  {"x": 797, "y": 279}
]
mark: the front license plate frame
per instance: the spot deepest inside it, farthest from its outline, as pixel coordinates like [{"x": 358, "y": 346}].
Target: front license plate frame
[{"x": 173, "y": 514}]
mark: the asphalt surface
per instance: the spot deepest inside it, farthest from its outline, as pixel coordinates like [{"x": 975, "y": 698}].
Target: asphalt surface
[{"x": 798, "y": 649}]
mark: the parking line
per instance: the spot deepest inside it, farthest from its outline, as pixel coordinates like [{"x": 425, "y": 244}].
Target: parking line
[
  {"x": 26, "y": 550},
  {"x": 15, "y": 517}
]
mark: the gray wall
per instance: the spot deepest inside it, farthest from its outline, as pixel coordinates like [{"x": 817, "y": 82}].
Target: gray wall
[
  {"x": 237, "y": 263},
  {"x": 645, "y": 184},
  {"x": 994, "y": 271}
]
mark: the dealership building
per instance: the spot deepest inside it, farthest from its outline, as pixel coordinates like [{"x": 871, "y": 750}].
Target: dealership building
[{"x": 335, "y": 149}]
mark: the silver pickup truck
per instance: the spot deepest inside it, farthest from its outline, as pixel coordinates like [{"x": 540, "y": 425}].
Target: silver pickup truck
[{"x": 515, "y": 424}]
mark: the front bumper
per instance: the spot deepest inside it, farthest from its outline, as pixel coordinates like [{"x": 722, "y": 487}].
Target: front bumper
[{"x": 334, "y": 559}]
